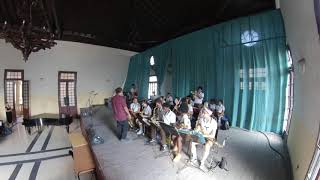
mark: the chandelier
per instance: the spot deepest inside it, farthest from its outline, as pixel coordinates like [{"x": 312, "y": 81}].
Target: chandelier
[{"x": 24, "y": 35}]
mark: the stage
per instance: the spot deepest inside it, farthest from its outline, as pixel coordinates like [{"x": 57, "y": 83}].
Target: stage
[{"x": 248, "y": 154}]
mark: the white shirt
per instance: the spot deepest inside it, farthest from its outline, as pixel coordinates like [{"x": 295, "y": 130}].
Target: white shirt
[
  {"x": 186, "y": 121},
  {"x": 190, "y": 108},
  {"x": 135, "y": 107},
  {"x": 147, "y": 111},
  {"x": 220, "y": 108},
  {"x": 198, "y": 100},
  {"x": 209, "y": 126},
  {"x": 168, "y": 117}
]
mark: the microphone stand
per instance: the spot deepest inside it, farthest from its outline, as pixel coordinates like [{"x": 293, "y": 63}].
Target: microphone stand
[{"x": 94, "y": 138}]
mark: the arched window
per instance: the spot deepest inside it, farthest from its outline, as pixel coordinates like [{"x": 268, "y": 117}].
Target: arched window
[
  {"x": 152, "y": 61},
  {"x": 153, "y": 80},
  {"x": 249, "y": 38}
]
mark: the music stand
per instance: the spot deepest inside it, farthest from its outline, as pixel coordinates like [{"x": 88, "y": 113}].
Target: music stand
[
  {"x": 144, "y": 123},
  {"x": 169, "y": 131}
]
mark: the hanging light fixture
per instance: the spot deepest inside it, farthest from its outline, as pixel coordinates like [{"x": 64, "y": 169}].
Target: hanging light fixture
[{"x": 25, "y": 36}]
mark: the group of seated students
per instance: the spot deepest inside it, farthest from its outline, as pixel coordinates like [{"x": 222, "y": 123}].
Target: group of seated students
[{"x": 187, "y": 113}]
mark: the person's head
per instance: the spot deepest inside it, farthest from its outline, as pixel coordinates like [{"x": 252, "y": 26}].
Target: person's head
[
  {"x": 220, "y": 102},
  {"x": 133, "y": 85},
  {"x": 200, "y": 89},
  {"x": 153, "y": 93},
  {"x": 166, "y": 107},
  {"x": 159, "y": 102},
  {"x": 177, "y": 100},
  {"x": 188, "y": 99},
  {"x": 119, "y": 91},
  {"x": 184, "y": 109},
  {"x": 144, "y": 103},
  {"x": 135, "y": 100},
  {"x": 212, "y": 101},
  {"x": 184, "y": 100}
]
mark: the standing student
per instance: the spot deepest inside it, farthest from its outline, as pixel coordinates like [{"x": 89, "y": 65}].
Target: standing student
[
  {"x": 198, "y": 97},
  {"x": 121, "y": 114}
]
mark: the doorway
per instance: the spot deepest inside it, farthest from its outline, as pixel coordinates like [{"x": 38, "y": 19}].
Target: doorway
[
  {"x": 67, "y": 92},
  {"x": 17, "y": 94}
]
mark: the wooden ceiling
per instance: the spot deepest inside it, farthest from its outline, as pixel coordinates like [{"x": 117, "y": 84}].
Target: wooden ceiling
[{"x": 134, "y": 24}]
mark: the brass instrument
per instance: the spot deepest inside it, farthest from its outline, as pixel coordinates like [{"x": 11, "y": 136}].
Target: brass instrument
[{"x": 133, "y": 118}]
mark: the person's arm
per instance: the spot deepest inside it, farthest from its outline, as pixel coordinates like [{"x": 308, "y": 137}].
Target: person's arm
[
  {"x": 127, "y": 111},
  {"x": 126, "y": 108}
]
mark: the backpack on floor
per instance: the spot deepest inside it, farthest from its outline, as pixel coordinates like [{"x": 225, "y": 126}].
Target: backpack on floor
[{"x": 225, "y": 125}]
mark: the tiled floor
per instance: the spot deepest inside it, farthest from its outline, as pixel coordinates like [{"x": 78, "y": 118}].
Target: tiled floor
[{"x": 20, "y": 157}]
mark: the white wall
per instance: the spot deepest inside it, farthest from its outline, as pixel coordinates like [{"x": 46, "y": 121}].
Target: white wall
[
  {"x": 303, "y": 38},
  {"x": 99, "y": 68}
]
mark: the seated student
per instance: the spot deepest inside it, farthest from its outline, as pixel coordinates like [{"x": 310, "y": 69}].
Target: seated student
[
  {"x": 198, "y": 97},
  {"x": 146, "y": 113},
  {"x": 175, "y": 108},
  {"x": 169, "y": 118},
  {"x": 162, "y": 99},
  {"x": 212, "y": 105},
  {"x": 220, "y": 109},
  {"x": 134, "y": 110},
  {"x": 184, "y": 123},
  {"x": 155, "y": 117},
  {"x": 204, "y": 109},
  {"x": 207, "y": 125},
  {"x": 153, "y": 96},
  {"x": 190, "y": 107},
  {"x": 169, "y": 99}
]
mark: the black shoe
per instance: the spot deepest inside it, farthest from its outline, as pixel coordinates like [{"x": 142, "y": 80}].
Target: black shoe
[{"x": 164, "y": 148}]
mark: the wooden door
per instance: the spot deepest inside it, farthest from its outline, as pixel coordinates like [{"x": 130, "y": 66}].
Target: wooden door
[
  {"x": 67, "y": 93},
  {"x": 26, "y": 98},
  {"x": 10, "y": 78},
  {"x": 10, "y": 97}
]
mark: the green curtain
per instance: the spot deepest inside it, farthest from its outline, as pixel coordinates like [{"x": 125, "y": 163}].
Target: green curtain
[
  {"x": 138, "y": 74},
  {"x": 242, "y": 61}
]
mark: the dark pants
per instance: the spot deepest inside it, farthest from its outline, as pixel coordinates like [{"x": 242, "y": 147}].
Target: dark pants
[
  {"x": 9, "y": 117},
  {"x": 122, "y": 129}
]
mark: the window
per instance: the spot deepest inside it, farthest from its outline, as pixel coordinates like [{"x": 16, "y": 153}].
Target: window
[
  {"x": 249, "y": 38},
  {"x": 256, "y": 77},
  {"x": 153, "y": 86},
  {"x": 152, "y": 61},
  {"x": 289, "y": 95}
]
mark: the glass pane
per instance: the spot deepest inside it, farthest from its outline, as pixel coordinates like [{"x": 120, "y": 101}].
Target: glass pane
[{"x": 153, "y": 79}]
